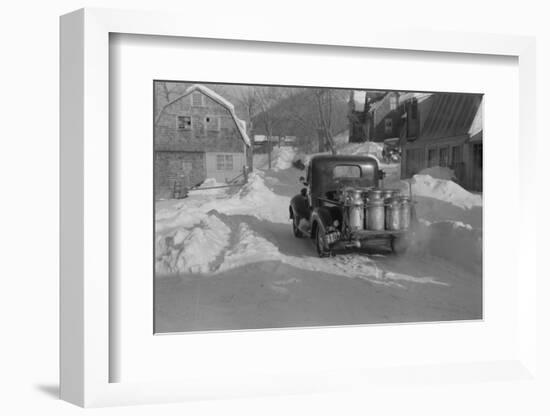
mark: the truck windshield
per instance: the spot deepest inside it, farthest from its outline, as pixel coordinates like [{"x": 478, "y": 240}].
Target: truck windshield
[{"x": 346, "y": 171}]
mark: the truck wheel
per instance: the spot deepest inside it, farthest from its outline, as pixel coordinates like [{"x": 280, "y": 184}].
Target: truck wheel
[
  {"x": 322, "y": 251},
  {"x": 399, "y": 245},
  {"x": 295, "y": 230}
]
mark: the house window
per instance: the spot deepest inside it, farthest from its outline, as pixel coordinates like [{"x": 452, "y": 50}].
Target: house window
[
  {"x": 212, "y": 123},
  {"x": 432, "y": 157},
  {"x": 388, "y": 126},
  {"x": 414, "y": 161},
  {"x": 393, "y": 102},
  {"x": 197, "y": 99},
  {"x": 224, "y": 162},
  {"x": 414, "y": 109},
  {"x": 456, "y": 156},
  {"x": 444, "y": 157},
  {"x": 184, "y": 123}
]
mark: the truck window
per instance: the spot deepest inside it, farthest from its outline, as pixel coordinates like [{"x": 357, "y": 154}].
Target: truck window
[{"x": 346, "y": 171}]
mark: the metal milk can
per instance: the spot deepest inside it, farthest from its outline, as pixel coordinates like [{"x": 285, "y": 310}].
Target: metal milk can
[
  {"x": 389, "y": 193},
  {"x": 393, "y": 214},
  {"x": 355, "y": 209},
  {"x": 375, "y": 211},
  {"x": 405, "y": 212}
]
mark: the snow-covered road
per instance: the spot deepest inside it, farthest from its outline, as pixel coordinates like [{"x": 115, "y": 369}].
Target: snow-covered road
[{"x": 226, "y": 259}]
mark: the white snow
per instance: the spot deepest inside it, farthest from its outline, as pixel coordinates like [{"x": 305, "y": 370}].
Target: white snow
[
  {"x": 284, "y": 156},
  {"x": 364, "y": 148},
  {"x": 443, "y": 190},
  {"x": 250, "y": 248},
  {"x": 209, "y": 182},
  {"x": 439, "y": 172},
  {"x": 281, "y": 158},
  {"x": 191, "y": 249}
]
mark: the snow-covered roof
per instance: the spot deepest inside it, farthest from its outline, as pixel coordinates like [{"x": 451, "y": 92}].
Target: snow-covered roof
[
  {"x": 420, "y": 96},
  {"x": 477, "y": 123},
  {"x": 241, "y": 124}
]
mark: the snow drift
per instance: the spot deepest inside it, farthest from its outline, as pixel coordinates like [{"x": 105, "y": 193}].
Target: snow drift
[
  {"x": 442, "y": 190},
  {"x": 439, "y": 172}
]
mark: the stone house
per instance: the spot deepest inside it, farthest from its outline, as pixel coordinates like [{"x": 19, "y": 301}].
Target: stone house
[{"x": 197, "y": 136}]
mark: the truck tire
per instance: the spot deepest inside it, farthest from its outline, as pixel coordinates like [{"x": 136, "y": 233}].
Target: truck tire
[
  {"x": 295, "y": 230},
  {"x": 322, "y": 251}
]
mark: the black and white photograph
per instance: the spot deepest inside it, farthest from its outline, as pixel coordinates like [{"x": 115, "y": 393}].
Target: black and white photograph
[{"x": 288, "y": 206}]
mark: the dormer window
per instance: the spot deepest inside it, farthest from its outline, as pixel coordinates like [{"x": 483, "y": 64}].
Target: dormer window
[
  {"x": 184, "y": 123},
  {"x": 388, "y": 126},
  {"x": 414, "y": 109},
  {"x": 197, "y": 99},
  {"x": 393, "y": 102}
]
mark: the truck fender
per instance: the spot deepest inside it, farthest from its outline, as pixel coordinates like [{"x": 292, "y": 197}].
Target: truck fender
[
  {"x": 324, "y": 217},
  {"x": 299, "y": 206}
]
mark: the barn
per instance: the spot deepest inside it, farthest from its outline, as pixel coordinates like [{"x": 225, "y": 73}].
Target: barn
[{"x": 198, "y": 136}]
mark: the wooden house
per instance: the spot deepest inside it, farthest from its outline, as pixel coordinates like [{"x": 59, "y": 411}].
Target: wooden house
[
  {"x": 444, "y": 129},
  {"x": 198, "y": 136}
]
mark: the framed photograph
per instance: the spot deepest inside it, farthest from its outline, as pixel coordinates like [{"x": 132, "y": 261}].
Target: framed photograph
[{"x": 277, "y": 213}]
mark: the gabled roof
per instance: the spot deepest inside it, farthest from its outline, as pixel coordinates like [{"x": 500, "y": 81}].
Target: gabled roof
[
  {"x": 453, "y": 114},
  {"x": 241, "y": 124}
]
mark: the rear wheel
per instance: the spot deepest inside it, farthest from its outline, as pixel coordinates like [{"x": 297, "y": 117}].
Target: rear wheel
[
  {"x": 322, "y": 250},
  {"x": 295, "y": 224}
]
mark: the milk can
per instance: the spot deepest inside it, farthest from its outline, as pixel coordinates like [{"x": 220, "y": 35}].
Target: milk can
[
  {"x": 393, "y": 213},
  {"x": 388, "y": 193},
  {"x": 405, "y": 212},
  {"x": 374, "y": 194},
  {"x": 355, "y": 209},
  {"x": 375, "y": 214}
]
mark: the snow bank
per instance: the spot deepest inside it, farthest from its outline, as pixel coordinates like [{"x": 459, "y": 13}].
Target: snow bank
[
  {"x": 443, "y": 190},
  {"x": 253, "y": 248},
  {"x": 250, "y": 248},
  {"x": 191, "y": 249},
  {"x": 257, "y": 200},
  {"x": 341, "y": 138},
  {"x": 283, "y": 157},
  {"x": 365, "y": 148},
  {"x": 439, "y": 172},
  {"x": 254, "y": 198},
  {"x": 209, "y": 182}
]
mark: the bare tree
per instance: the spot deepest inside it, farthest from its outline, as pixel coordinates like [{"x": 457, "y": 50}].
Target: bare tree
[
  {"x": 324, "y": 107},
  {"x": 165, "y": 93},
  {"x": 248, "y": 102},
  {"x": 266, "y": 98}
]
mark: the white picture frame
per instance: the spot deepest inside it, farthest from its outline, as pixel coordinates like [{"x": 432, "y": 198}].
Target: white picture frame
[{"x": 85, "y": 164}]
